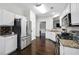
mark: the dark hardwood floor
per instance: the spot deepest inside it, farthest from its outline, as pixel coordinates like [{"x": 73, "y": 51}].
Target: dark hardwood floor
[{"x": 39, "y": 46}]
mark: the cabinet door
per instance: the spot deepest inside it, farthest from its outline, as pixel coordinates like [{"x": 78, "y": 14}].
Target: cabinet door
[
  {"x": 75, "y": 13},
  {"x": 1, "y": 20},
  {"x": 61, "y": 49},
  {"x": 8, "y": 18},
  {"x": 70, "y": 51},
  {"x": 14, "y": 42},
  {"x": 2, "y": 46},
  {"x": 11, "y": 44},
  {"x": 48, "y": 35},
  {"x": 23, "y": 43},
  {"x": 28, "y": 41},
  {"x": 53, "y": 36}
]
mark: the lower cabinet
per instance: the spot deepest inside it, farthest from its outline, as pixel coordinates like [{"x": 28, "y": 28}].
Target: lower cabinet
[
  {"x": 28, "y": 41},
  {"x": 2, "y": 46},
  {"x": 61, "y": 49},
  {"x": 68, "y": 50},
  {"x": 51, "y": 35},
  {"x": 25, "y": 41},
  {"x": 8, "y": 44}
]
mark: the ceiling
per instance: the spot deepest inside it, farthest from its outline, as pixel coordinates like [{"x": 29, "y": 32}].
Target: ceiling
[{"x": 57, "y": 8}]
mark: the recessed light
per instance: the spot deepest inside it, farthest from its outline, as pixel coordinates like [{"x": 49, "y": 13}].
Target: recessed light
[{"x": 51, "y": 7}]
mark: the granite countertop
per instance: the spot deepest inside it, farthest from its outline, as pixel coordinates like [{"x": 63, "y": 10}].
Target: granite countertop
[
  {"x": 7, "y": 35},
  {"x": 69, "y": 43},
  {"x": 54, "y": 30}
]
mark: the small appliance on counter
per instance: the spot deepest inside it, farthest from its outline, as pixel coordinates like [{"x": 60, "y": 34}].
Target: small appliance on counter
[{"x": 66, "y": 20}]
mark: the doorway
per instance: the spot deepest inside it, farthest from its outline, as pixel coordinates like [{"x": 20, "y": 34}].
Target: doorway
[{"x": 42, "y": 31}]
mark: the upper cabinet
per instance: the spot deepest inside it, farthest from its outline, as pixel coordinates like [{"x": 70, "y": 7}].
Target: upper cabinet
[
  {"x": 6, "y": 18},
  {"x": 66, "y": 11},
  {"x": 75, "y": 13},
  {"x": 1, "y": 20}
]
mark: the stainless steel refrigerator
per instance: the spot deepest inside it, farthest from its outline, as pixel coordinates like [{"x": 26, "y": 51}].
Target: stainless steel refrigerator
[{"x": 17, "y": 30}]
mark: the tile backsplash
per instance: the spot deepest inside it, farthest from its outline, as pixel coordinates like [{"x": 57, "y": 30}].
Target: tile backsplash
[
  {"x": 4, "y": 30},
  {"x": 72, "y": 29}
]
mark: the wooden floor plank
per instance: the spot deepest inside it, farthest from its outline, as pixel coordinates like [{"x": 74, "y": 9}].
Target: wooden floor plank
[{"x": 39, "y": 46}]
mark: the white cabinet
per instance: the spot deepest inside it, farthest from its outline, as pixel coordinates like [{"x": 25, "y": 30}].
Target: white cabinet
[
  {"x": 2, "y": 45},
  {"x": 61, "y": 49},
  {"x": 71, "y": 51},
  {"x": 75, "y": 13},
  {"x": 68, "y": 50},
  {"x": 8, "y": 18},
  {"x": 10, "y": 44},
  {"x": 1, "y": 20},
  {"x": 28, "y": 40},
  {"x": 51, "y": 35},
  {"x": 25, "y": 41}
]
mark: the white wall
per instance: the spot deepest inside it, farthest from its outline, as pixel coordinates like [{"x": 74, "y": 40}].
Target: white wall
[
  {"x": 27, "y": 13},
  {"x": 33, "y": 25},
  {"x": 49, "y": 23}
]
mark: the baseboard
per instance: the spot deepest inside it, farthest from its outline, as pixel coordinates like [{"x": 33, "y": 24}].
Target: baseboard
[{"x": 12, "y": 52}]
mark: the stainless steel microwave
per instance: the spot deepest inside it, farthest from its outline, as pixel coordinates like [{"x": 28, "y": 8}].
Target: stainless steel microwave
[{"x": 66, "y": 20}]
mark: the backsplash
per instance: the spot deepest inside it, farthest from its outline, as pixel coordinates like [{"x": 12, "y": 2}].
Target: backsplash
[
  {"x": 4, "y": 30},
  {"x": 72, "y": 28}
]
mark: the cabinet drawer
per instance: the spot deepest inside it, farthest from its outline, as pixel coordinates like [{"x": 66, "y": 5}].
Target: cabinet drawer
[{"x": 28, "y": 41}]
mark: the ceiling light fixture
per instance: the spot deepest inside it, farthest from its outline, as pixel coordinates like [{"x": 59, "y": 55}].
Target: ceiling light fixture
[{"x": 41, "y": 8}]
